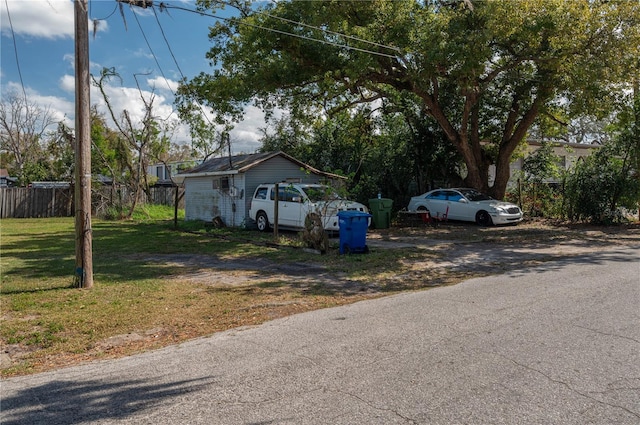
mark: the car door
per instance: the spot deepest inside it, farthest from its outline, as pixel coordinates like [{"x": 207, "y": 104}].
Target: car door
[
  {"x": 457, "y": 209},
  {"x": 290, "y": 207},
  {"x": 470, "y": 205},
  {"x": 437, "y": 203}
]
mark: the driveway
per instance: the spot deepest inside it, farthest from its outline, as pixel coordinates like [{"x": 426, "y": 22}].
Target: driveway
[{"x": 558, "y": 343}]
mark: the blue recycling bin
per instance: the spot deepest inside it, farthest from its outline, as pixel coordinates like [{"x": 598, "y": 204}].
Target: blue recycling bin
[{"x": 353, "y": 231}]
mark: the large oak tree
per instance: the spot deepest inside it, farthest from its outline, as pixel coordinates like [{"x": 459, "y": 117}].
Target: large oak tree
[{"x": 483, "y": 70}]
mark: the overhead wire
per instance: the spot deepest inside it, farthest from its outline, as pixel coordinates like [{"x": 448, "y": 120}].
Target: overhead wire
[
  {"x": 172, "y": 55},
  {"x": 164, "y": 36},
  {"x": 166, "y": 6},
  {"x": 304, "y": 37},
  {"x": 15, "y": 50},
  {"x": 155, "y": 58},
  {"x": 346, "y": 36},
  {"x": 115, "y": 7}
]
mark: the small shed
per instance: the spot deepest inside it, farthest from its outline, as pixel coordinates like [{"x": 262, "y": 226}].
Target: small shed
[{"x": 222, "y": 188}]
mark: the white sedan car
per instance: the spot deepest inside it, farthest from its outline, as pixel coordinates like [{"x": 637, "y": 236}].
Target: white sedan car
[{"x": 466, "y": 205}]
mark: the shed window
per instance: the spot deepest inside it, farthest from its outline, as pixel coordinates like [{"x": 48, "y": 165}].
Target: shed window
[{"x": 221, "y": 184}]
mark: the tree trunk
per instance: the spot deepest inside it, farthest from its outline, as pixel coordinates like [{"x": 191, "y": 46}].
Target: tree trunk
[{"x": 503, "y": 173}]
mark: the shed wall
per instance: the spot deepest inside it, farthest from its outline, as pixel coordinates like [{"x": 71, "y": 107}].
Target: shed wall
[{"x": 203, "y": 202}]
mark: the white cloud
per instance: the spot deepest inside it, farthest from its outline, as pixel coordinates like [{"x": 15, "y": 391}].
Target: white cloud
[
  {"x": 58, "y": 108},
  {"x": 50, "y": 19},
  {"x": 246, "y": 134},
  {"x": 163, "y": 85},
  {"x": 68, "y": 83},
  {"x": 39, "y": 18},
  {"x": 244, "y": 137},
  {"x": 142, "y": 53},
  {"x": 53, "y": 20}
]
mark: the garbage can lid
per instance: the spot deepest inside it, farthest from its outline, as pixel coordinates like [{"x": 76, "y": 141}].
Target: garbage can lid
[{"x": 353, "y": 213}]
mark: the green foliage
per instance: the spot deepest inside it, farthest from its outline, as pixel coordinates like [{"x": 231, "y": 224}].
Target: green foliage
[
  {"x": 149, "y": 212},
  {"x": 61, "y": 154},
  {"x": 145, "y": 212},
  {"x": 607, "y": 184},
  {"x": 538, "y": 197},
  {"x": 602, "y": 186},
  {"x": 23, "y": 126},
  {"x": 398, "y": 155},
  {"x": 482, "y": 73},
  {"x": 125, "y": 153}
]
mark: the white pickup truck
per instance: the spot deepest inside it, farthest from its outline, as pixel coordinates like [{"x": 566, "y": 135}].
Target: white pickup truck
[{"x": 299, "y": 204}]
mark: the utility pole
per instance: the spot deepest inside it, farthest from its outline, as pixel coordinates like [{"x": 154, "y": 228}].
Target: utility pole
[
  {"x": 84, "y": 250},
  {"x": 636, "y": 123}
]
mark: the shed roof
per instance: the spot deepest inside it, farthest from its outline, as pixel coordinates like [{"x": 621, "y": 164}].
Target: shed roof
[{"x": 242, "y": 163}]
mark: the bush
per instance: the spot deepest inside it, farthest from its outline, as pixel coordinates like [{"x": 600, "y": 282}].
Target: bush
[
  {"x": 603, "y": 185},
  {"x": 535, "y": 195}
]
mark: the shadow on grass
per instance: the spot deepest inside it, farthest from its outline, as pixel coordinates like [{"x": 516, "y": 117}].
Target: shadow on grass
[
  {"x": 134, "y": 251},
  {"x": 316, "y": 281},
  {"x": 31, "y": 260},
  {"x": 74, "y": 402}
]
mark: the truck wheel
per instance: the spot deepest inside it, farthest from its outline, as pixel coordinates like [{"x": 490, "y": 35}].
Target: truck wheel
[{"x": 262, "y": 221}]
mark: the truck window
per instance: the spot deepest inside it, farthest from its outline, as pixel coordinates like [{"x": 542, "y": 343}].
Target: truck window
[{"x": 261, "y": 193}]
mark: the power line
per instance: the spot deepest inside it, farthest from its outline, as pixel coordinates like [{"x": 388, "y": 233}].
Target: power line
[
  {"x": 350, "y": 37},
  {"x": 164, "y": 6},
  {"x": 145, "y": 4},
  {"x": 176, "y": 62},
  {"x": 152, "y": 53},
  {"x": 106, "y": 17},
  {"x": 15, "y": 49},
  {"x": 304, "y": 37},
  {"x": 167, "y": 42}
]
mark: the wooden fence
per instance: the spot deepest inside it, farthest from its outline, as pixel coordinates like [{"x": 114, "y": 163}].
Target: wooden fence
[{"x": 30, "y": 202}]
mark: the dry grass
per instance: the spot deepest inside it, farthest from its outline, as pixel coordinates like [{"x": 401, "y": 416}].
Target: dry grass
[{"x": 155, "y": 286}]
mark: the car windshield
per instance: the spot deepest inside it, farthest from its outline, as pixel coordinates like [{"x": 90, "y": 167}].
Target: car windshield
[
  {"x": 473, "y": 195},
  {"x": 320, "y": 193}
]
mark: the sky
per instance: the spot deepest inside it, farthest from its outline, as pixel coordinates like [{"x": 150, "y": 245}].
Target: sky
[{"x": 156, "y": 49}]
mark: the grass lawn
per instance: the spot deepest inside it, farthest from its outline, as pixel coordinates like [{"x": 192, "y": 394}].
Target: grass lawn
[
  {"x": 137, "y": 304},
  {"x": 142, "y": 299}
]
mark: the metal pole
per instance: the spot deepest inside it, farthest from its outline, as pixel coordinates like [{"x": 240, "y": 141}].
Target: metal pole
[
  {"x": 84, "y": 251},
  {"x": 276, "y": 210},
  {"x": 636, "y": 123}
]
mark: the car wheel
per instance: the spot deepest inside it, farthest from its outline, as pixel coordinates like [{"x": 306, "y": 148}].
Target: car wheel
[
  {"x": 483, "y": 218},
  {"x": 262, "y": 221},
  {"x": 422, "y": 208}
]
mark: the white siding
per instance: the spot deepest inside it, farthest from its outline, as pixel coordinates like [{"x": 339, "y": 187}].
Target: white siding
[
  {"x": 198, "y": 199},
  {"x": 203, "y": 202},
  {"x": 569, "y": 155}
]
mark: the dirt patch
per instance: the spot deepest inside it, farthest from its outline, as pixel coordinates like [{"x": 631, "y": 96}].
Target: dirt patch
[
  {"x": 449, "y": 248},
  {"x": 214, "y": 271},
  {"x": 401, "y": 259},
  {"x": 118, "y": 340},
  {"x": 442, "y": 255}
]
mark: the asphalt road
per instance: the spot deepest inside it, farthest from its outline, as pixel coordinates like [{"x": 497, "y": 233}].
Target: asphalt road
[{"x": 557, "y": 344}]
